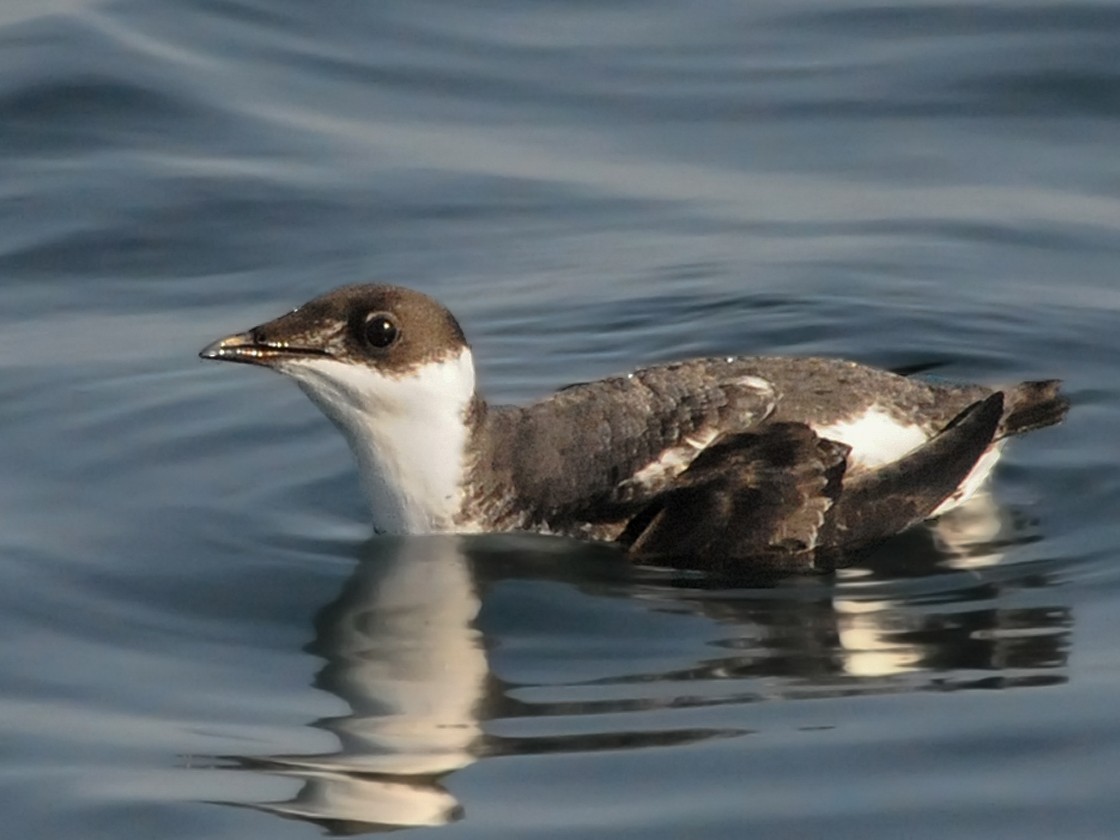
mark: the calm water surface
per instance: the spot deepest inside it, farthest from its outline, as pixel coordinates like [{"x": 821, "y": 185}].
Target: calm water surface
[{"x": 200, "y": 640}]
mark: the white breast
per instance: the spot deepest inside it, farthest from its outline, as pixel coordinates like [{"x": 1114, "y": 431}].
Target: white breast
[{"x": 408, "y": 433}]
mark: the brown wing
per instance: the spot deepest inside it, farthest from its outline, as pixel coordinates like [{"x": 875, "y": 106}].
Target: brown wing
[
  {"x": 748, "y": 494},
  {"x": 594, "y": 454},
  {"x": 780, "y": 493}
]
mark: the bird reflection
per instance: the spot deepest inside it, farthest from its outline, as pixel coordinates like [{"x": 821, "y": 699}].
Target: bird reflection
[
  {"x": 448, "y": 651},
  {"x": 401, "y": 651}
]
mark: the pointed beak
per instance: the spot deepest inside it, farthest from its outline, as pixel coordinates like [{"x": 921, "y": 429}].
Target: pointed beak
[
  {"x": 242, "y": 347},
  {"x": 255, "y": 348},
  {"x": 224, "y": 347}
]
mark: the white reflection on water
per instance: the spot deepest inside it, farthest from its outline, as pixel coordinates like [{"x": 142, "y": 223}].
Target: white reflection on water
[
  {"x": 403, "y": 654},
  {"x": 596, "y": 656}
]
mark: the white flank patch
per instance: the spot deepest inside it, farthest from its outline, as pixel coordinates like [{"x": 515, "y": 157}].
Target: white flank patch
[
  {"x": 408, "y": 434},
  {"x": 876, "y": 438}
]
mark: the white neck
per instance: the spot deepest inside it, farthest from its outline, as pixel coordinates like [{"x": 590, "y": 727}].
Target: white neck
[{"x": 408, "y": 433}]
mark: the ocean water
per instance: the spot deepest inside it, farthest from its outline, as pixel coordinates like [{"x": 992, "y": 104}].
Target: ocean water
[{"x": 201, "y": 640}]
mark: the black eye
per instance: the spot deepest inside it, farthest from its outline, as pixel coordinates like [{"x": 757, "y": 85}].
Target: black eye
[{"x": 380, "y": 330}]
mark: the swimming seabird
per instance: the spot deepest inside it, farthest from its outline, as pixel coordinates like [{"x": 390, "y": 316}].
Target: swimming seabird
[{"x": 737, "y": 456}]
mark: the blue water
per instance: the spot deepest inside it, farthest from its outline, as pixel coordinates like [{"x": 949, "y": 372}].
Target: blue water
[{"x": 199, "y": 637}]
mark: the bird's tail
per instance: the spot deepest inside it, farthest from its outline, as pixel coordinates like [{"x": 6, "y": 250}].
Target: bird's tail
[{"x": 1032, "y": 405}]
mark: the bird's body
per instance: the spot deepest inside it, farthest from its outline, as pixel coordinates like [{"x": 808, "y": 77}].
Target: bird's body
[{"x": 620, "y": 458}]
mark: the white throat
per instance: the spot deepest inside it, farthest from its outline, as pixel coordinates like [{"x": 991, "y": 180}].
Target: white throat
[{"x": 409, "y": 434}]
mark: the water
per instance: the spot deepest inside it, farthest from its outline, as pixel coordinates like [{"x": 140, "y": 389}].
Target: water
[{"x": 200, "y": 639}]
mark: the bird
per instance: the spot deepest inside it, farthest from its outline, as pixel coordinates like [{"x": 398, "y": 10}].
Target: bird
[{"x": 785, "y": 460}]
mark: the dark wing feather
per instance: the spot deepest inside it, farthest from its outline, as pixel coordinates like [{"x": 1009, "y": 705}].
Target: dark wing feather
[
  {"x": 749, "y": 494},
  {"x": 781, "y": 492}
]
